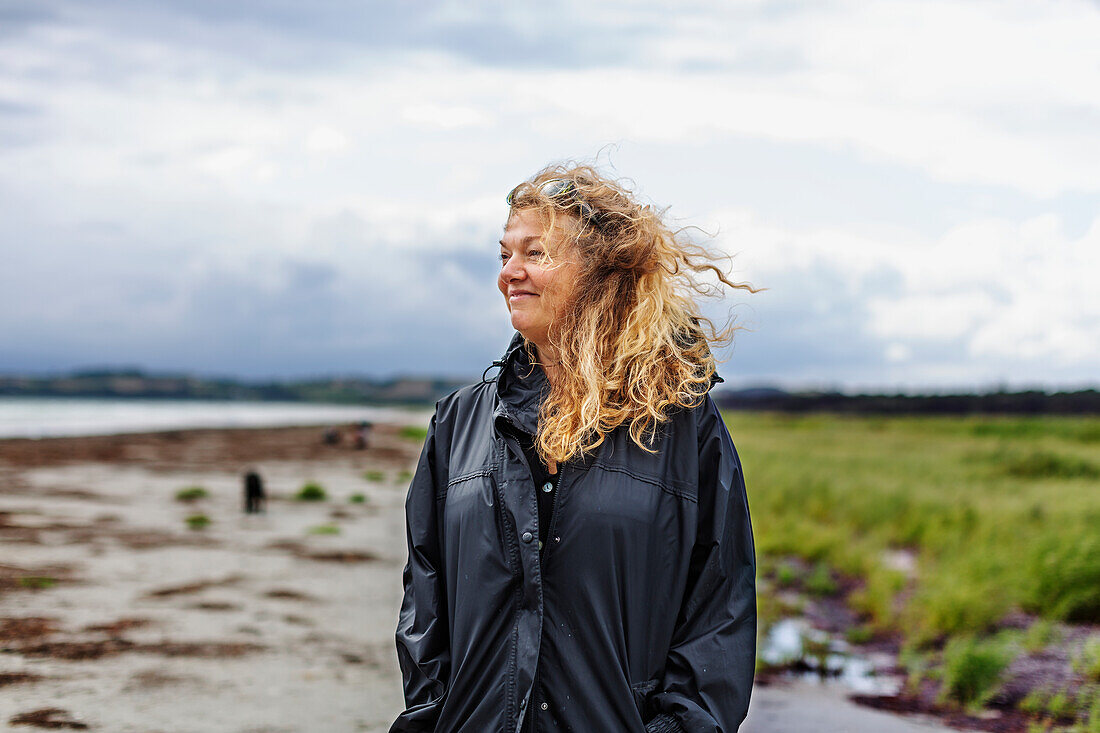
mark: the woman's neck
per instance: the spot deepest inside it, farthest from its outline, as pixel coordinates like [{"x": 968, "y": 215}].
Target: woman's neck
[{"x": 547, "y": 357}]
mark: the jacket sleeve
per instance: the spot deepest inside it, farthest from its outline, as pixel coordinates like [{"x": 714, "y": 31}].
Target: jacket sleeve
[
  {"x": 708, "y": 674},
  {"x": 423, "y": 643}
]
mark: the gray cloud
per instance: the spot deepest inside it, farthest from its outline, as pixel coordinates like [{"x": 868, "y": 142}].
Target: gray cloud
[{"x": 288, "y": 189}]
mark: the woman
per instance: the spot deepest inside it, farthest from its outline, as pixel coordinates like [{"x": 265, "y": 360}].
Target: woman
[{"x": 635, "y": 609}]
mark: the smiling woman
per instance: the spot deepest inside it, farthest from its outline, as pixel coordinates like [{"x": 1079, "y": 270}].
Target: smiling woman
[
  {"x": 635, "y": 609},
  {"x": 535, "y": 286}
]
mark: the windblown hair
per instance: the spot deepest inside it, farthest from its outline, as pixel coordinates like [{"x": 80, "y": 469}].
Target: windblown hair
[{"x": 632, "y": 342}]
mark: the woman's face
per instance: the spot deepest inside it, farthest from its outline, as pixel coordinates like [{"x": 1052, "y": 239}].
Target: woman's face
[{"x": 534, "y": 292}]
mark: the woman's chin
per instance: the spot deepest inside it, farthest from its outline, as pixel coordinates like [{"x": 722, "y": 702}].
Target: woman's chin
[
  {"x": 528, "y": 330},
  {"x": 521, "y": 323}
]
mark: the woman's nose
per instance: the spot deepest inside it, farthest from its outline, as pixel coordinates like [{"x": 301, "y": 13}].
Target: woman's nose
[{"x": 512, "y": 270}]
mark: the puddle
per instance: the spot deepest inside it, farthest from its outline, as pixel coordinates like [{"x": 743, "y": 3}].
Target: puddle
[{"x": 810, "y": 654}]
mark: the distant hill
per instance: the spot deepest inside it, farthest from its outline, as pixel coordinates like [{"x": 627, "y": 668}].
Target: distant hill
[
  {"x": 425, "y": 391},
  {"x": 1027, "y": 402},
  {"x": 136, "y": 384}
]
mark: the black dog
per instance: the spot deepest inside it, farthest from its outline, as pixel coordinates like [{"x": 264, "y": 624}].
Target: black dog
[{"x": 254, "y": 497}]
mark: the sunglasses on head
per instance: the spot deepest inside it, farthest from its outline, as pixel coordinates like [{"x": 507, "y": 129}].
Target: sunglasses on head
[{"x": 562, "y": 188}]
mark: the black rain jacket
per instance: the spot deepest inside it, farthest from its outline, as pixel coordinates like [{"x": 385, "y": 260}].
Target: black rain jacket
[{"x": 639, "y": 614}]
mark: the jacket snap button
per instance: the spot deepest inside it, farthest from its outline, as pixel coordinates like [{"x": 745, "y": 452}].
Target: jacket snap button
[
  {"x": 544, "y": 706},
  {"x": 548, "y": 487},
  {"x": 527, "y": 537}
]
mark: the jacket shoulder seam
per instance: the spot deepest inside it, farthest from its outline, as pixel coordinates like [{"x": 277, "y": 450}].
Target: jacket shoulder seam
[{"x": 461, "y": 393}]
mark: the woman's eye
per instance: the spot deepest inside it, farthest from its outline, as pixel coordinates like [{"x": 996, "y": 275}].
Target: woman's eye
[{"x": 535, "y": 253}]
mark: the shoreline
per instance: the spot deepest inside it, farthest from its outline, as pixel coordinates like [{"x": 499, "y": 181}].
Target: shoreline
[{"x": 42, "y": 418}]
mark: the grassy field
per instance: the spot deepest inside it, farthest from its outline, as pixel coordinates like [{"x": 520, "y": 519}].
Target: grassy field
[{"x": 998, "y": 518}]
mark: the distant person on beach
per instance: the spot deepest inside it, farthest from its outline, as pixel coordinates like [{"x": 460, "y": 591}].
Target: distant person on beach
[
  {"x": 331, "y": 436},
  {"x": 362, "y": 435},
  {"x": 580, "y": 553},
  {"x": 254, "y": 496}
]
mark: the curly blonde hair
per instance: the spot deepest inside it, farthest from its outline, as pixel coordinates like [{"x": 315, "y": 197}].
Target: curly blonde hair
[{"x": 632, "y": 342}]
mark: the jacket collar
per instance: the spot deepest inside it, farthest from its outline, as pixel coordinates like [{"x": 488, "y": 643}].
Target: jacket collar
[{"x": 521, "y": 386}]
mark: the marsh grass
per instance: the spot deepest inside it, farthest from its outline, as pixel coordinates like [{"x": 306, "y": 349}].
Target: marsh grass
[
  {"x": 999, "y": 515},
  {"x": 988, "y": 535},
  {"x": 972, "y": 668},
  {"x": 1087, "y": 662}
]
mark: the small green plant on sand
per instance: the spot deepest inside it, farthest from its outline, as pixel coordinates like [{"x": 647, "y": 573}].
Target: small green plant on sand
[
  {"x": 404, "y": 476},
  {"x": 376, "y": 477},
  {"x": 37, "y": 582},
  {"x": 413, "y": 432},
  {"x": 197, "y": 521},
  {"x": 192, "y": 493},
  {"x": 311, "y": 491},
  {"x": 358, "y": 498},
  {"x": 325, "y": 529}
]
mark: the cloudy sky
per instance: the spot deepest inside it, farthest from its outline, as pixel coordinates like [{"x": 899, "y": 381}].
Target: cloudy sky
[{"x": 287, "y": 189}]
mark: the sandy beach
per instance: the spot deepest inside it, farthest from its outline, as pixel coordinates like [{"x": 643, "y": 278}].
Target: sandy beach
[{"x": 116, "y": 616}]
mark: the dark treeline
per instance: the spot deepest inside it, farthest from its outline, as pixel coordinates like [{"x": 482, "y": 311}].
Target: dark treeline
[
  {"x": 1028, "y": 402},
  {"x": 138, "y": 385},
  {"x": 425, "y": 391}
]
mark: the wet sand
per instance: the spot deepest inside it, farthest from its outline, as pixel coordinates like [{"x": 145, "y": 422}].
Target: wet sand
[{"x": 115, "y": 616}]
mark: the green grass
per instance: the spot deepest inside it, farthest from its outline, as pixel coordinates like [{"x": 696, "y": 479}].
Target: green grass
[
  {"x": 324, "y": 529},
  {"x": 972, "y": 669},
  {"x": 37, "y": 582},
  {"x": 820, "y": 581},
  {"x": 1087, "y": 662},
  {"x": 999, "y": 513},
  {"x": 311, "y": 491},
  {"x": 412, "y": 432},
  {"x": 1041, "y": 634},
  {"x": 197, "y": 521},
  {"x": 191, "y": 493},
  {"x": 376, "y": 477},
  {"x": 357, "y": 498}
]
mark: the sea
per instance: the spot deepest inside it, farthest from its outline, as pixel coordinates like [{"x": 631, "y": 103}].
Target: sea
[{"x": 47, "y": 417}]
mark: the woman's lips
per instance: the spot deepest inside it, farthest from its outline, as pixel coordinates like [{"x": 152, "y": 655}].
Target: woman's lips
[{"x": 520, "y": 296}]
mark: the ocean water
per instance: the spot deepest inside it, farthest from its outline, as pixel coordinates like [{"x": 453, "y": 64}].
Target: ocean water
[{"x": 41, "y": 417}]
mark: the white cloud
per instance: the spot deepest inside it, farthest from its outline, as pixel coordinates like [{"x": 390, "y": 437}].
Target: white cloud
[
  {"x": 325, "y": 139},
  {"x": 1014, "y": 294}
]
